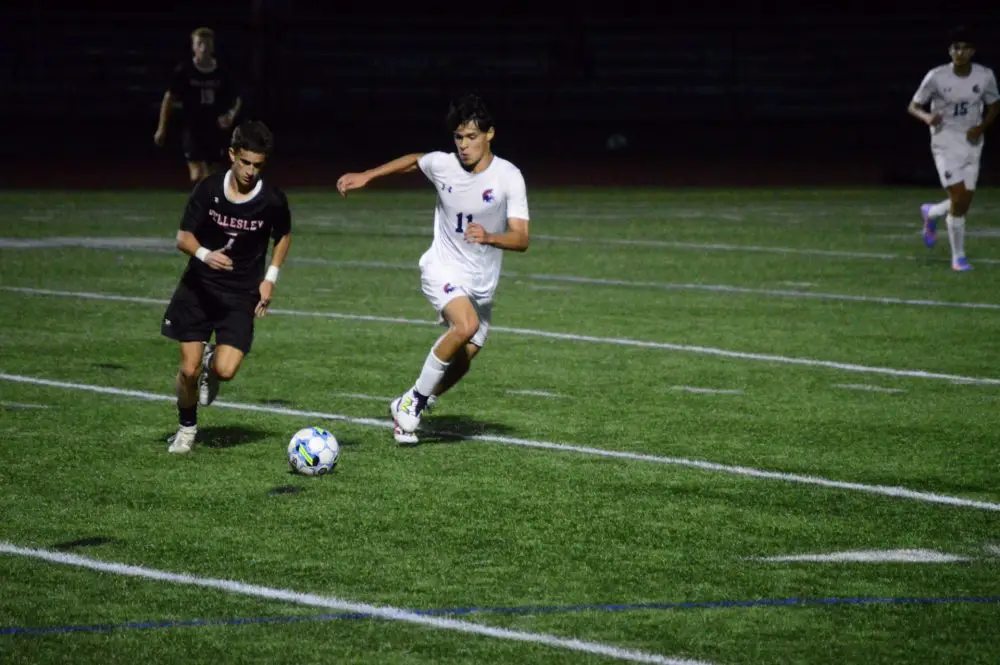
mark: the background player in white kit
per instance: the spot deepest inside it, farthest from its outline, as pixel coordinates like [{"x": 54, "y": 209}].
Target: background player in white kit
[
  {"x": 963, "y": 103},
  {"x": 482, "y": 209}
]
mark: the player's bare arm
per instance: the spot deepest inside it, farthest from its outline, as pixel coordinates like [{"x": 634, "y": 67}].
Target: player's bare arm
[
  {"x": 918, "y": 112},
  {"x": 226, "y": 119},
  {"x": 403, "y": 164},
  {"x": 161, "y": 129},
  {"x": 267, "y": 285},
  {"x": 514, "y": 239},
  {"x": 217, "y": 260}
]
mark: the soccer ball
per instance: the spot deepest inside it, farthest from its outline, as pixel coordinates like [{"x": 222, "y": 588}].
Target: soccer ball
[{"x": 313, "y": 451}]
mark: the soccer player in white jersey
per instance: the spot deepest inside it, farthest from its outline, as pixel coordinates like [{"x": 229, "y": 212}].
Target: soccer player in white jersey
[
  {"x": 482, "y": 209},
  {"x": 963, "y": 103}
]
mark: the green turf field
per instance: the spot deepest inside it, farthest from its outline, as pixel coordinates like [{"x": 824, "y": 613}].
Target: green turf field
[{"x": 677, "y": 385}]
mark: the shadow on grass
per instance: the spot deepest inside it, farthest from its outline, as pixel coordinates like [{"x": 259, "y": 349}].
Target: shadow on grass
[{"x": 454, "y": 429}]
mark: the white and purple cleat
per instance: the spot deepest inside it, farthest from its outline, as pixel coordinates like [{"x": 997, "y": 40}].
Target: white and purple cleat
[
  {"x": 961, "y": 264},
  {"x": 930, "y": 226}
]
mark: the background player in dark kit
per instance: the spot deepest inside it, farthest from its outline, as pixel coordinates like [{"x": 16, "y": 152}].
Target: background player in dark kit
[{"x": 210, "y": 102}]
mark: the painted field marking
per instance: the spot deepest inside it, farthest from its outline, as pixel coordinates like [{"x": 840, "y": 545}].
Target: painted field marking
[
  {"x": 744, "y": 471},
  {"x": 313, "y": 600},
  {"x": 545, "y": 334}
]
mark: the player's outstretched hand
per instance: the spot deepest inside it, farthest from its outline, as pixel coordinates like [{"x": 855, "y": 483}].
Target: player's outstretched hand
[
  {"x": 266, "y": 288},
  {"x": 974, "y": 134},
  {"x": 350, "y": 181},
  {"x": 934, "y": 120},
  {"x": 225, "y": 121},
  {"x": 159, "y": 138},
  {"x": 219, "y": 261},
  {"x": 476, "y": 234}
]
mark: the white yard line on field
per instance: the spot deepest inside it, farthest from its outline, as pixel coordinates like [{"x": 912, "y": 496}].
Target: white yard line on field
[
  {"x": 743, "y": 471},
  {"x": 164, "y": 246},
  {"x": 385, "y": 612},
  {"x": 546, "y": 334}
]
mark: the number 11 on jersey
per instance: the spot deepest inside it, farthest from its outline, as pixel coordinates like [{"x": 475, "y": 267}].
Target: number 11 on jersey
[{"x": 468, "y": 220}]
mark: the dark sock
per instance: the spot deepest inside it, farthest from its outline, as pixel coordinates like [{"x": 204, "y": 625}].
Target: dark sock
[
  {"x": 188, "y": 415},
  {"x": 421, "y": 400}
]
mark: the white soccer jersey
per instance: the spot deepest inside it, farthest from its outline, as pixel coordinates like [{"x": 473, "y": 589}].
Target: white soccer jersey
[
  {"x": 959, "y": 100},
  {"x": 488, "y": 198}
]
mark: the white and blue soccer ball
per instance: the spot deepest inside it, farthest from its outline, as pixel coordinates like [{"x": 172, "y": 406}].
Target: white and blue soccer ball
[{"x": 313, "y": 451}]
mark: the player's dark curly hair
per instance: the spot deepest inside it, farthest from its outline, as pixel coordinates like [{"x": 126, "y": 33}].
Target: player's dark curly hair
[
  {"x": 960, "y": 34},
  {"x": 470, "y": 108},
  {"x": 252, "y": 136}
]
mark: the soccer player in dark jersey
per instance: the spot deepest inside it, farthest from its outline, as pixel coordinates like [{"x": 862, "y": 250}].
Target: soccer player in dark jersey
[
  {"x": 227, "y": 225},
  {"x": 210, "y": 101}
]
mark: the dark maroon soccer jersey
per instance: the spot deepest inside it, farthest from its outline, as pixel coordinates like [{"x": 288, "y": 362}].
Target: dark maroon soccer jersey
[
  {"x": 242, "y": 230},
  {"x": 204, "y": 95}
]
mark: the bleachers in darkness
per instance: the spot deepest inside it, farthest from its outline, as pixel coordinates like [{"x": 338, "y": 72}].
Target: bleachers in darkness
[{"x": 305, "y": 65}]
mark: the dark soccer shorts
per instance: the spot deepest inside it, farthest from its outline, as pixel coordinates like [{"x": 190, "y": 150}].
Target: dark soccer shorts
[
  {"x": 204, "y": 144},
  {"x": 195, "y": 312}
]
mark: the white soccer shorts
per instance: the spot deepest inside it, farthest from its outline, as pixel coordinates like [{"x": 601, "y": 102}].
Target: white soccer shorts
[
  {"x": 956, "y": 160},
  {"x": 441, "y": 286}
]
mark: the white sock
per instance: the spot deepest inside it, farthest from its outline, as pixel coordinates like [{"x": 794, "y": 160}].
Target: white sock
[
  {"x": 956, "y": 234},
  {"x": 939, "y": 210},
  {"x": 433, "y": 370}
]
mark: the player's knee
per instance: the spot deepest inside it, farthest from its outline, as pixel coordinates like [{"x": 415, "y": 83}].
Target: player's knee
[
  {"x": 197, "y": 171},
  {"x": 465, "y": 328},
  {"x": 226, "y": 371},
  {"x": 189, "y": 371}
]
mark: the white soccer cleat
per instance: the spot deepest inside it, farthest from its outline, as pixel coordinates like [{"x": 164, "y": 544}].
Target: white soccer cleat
[
  {"x": 404, "y": 412},
  {"x": 182, "y": 442},
  {"x": 404, "y": 438},
  {"x": 208, "y": 383}
]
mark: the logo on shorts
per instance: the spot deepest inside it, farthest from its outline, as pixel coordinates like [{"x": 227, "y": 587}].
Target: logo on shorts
[
  {"x": 975, "y": 88},
  {"x": 488, "y": 196},
  {"x": 448, "y": 288},
  {"x": 166, "y": 322}
]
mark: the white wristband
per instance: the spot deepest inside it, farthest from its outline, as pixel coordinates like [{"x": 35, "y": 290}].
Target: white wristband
[
  {"x": 271, "y": 275},
  {"x": 201, "y": 254}
]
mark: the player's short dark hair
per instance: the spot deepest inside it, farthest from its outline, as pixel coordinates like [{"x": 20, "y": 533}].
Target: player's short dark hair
[
  {"x": 203, "y": 33},
  {"x": 252, "y": 136},
  {"x": 960, "y": 34},
  {"x": 470, "y": 108}
]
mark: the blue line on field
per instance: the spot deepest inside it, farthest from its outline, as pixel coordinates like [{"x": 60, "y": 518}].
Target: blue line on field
[{"x": 520, "y": 610}]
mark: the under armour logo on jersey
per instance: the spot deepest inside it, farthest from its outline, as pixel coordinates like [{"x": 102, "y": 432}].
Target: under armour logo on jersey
[
  {"x": 446, "y": 187},
  {"x": 215, "y": 198},
  {"x": 975, "y": 88},
  {"x": 488, "y": 196},
  {"x": 947, "y": 174}
]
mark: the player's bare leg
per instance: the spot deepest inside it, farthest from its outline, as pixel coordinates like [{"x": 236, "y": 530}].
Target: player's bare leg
[
  {"x": 457, "y": 369},
  {"x": 463, "y": 322},
  {"x": 187, "y": 397},
  {"x": 961, "y": 200},
  {"x": 197, "y": 171},
  {"x": 221, "y": 363}
]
